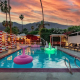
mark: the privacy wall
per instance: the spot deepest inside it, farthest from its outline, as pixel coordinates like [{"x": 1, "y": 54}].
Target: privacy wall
[{"x": 74, "y": 39}]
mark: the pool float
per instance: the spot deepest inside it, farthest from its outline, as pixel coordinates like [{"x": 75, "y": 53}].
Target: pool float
[
  {"x": 49, "y": 49},
  {"x": 46, "y": 46},
  {"x": 23, "y": 59},
  {"x": 35, "y": 46}
]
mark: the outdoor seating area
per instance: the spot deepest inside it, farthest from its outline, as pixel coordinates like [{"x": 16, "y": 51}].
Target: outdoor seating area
[
  {"x": 28, "y": 39},
  {"x": 11, "y": 41},
  {"x": 70, "y": 43},
  {"x": 7, "y": 41},
  {"x": 73, "y": 41},
  {"x": 58, "y": 40},
  {"x": 73, "y": 46},
  {"x": 55, "y": 40}
]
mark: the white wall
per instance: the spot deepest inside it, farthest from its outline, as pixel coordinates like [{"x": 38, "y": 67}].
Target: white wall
[{"x": 74, "y": 39}]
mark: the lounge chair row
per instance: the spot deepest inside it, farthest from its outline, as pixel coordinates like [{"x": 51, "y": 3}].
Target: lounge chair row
[{"x": 73, "y": 46}]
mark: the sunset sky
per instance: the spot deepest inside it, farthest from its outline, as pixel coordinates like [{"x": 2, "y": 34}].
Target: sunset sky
[{"x": 66, "y": 12}]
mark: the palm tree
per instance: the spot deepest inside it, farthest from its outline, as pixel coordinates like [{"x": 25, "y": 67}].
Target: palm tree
[
  {"x": 40, "y": 25},
  {"x": 1, "y": 5},
  {"x": 21, "y": 17},
  {"x": 8, "y": 23},
  {"x": 4, "y": 9},
  {"x": 9, "y": 16},
  {"x": 14, "y": 30},
  {"x": 42, "y": 15},
  {"x": 32, "y": 27},
  {"x": 4, "y": 23}
]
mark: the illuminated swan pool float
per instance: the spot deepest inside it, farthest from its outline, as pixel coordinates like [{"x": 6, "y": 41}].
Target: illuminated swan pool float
[
  {"x": 23, "y": 59},
  {"x": 49, "y": 48}
]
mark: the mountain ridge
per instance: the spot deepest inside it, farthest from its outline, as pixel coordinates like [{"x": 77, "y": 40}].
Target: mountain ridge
[{"x": 28, "y": 26}]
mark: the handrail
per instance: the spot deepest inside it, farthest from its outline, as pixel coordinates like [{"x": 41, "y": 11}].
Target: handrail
[
  {"x": 69, "y": 65},
  {"x": 75, "y": 62}
]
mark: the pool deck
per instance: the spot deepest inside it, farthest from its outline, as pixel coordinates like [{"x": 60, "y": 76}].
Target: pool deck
[
  {"x": 21, "y": 75},
  {"x": 10, "y": 51},
  {"x": 70, "y": 52},
  {"x": 39, "y": 76}
]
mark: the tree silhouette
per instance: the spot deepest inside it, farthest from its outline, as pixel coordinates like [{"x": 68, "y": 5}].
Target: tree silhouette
[
  {"x": 42, "y": 14},
  {"x": 21, "y": 17}
]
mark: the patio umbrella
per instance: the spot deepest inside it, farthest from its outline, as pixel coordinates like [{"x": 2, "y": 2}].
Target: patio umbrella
[
  {"x": 35, "y": 38},
  {"x": 29, "y": 36},
  {"x": 32, "y": 37}
]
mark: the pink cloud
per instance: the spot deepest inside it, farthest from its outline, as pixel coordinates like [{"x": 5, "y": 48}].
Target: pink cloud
[{"x": 54, "y": 10}]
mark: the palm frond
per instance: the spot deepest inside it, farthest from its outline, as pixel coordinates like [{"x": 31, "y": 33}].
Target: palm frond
[{"x": 21, "y": 17}]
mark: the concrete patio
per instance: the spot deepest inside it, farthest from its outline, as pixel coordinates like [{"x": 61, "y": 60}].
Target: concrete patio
[{"x": 39, "y": 76}]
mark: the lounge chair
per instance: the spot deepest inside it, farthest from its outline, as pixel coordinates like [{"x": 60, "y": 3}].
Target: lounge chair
[
  {"x": 77, "y": 47},
  {"x": 73, "y": 46},
  {"x": 68, "y": 46},
  {"x": 4, "y": 48}
]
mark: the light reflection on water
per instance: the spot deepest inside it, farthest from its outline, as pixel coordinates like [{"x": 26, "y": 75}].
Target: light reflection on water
[{"x": 41, "y": 59}]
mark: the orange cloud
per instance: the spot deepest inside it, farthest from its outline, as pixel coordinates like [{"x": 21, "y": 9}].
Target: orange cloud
[{"x": 60, "y": 11}]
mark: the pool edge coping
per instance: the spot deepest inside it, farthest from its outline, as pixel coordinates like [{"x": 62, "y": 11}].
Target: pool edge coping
[{"x": 38, "y": 70}]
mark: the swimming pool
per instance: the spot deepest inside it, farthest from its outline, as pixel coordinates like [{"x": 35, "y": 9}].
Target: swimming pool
[{"x": 41, "y": 59}]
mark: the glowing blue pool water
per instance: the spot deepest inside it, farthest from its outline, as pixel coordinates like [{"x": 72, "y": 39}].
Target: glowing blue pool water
[{"x": 41, "y": 59}]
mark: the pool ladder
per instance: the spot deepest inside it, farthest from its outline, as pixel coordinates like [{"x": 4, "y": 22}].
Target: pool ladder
[
  {"x": 75, "y": 62},
  {"x": 69, "y": 65}
]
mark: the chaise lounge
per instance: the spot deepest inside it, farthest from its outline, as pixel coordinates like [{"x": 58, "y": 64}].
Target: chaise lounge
[
  {"x": 68, "y": 46},
  {"x": 73, "y": 46},
  {"x": 77, "y": 47}
]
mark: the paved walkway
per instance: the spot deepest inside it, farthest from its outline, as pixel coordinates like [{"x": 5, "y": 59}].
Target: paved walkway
[{"x": 39, "y": 76}]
